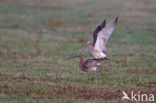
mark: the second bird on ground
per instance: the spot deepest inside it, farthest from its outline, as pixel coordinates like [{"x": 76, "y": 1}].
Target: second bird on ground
[{"x": 89, "y": 64}]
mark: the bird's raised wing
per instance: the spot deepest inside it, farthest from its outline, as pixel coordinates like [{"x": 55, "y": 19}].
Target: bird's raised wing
[
  {"x": 104, "y": 34},
  {"x": 97, "y": 30}
]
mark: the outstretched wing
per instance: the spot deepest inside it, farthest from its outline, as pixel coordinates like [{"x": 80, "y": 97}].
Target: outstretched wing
[
  {"x": 104, "y": 34},
  {"x": 97, "y": 30}
]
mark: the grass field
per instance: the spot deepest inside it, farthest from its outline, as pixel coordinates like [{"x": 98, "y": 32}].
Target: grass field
[{"x": 37, "y": 35}]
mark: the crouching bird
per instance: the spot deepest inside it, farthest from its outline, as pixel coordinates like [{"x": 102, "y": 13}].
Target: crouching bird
[{"x": 89, "y": 64}]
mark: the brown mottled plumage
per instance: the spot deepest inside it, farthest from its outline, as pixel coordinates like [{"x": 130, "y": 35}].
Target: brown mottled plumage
[{"x": 89, "y": 64}]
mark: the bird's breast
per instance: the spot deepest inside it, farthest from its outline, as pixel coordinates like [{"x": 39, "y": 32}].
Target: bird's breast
[{"x": 98, "y": 54}]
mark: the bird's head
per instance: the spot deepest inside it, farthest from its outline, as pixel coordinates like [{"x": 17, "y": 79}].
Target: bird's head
[{"x": 89, "y": 41}]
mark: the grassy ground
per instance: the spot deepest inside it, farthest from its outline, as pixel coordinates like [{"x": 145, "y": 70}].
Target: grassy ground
[{"x": 36, "y": 36}]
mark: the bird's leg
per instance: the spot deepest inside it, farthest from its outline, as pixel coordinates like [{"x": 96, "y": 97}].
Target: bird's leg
[
  {"x": 92, "y": 77},
  {"x": 97, "y": 72}
]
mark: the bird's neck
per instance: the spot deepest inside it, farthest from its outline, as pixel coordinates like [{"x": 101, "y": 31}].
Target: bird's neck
[
  {"x": 90, "y": 47},
  {"x": 81, "y": 62}
]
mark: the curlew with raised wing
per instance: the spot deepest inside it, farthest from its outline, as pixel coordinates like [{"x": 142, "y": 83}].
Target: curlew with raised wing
[{"x": 100, "y": 37}]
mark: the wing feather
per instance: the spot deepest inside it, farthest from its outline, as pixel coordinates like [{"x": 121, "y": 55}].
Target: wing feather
[
  {"x": 104, "y": 35},
  {"x": 97, "y": 30},
  {"x": 91, "y": 63}
]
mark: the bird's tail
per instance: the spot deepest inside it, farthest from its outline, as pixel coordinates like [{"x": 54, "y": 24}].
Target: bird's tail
[{"x": 105, "y": 58}]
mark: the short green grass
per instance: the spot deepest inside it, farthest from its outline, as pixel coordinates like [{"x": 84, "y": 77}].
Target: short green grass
[{"x": 37, "y": 36}]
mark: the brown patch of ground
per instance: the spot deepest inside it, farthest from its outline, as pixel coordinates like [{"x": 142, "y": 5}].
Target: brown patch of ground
[
  {"x": 42, "y": 88},
  {"x": 55, "y": 24},
  {"x": 81, "y": 40}
]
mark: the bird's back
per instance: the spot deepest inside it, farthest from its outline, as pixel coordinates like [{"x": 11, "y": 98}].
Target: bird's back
[{"x": 91, "y": 63}]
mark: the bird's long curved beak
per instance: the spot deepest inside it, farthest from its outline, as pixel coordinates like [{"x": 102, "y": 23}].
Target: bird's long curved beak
[{"x": 72, "y": 57}]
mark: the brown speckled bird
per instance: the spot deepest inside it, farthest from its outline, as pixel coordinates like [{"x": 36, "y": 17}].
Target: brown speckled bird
[{"x": 89, "y": 64}]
